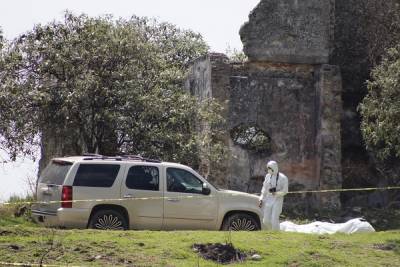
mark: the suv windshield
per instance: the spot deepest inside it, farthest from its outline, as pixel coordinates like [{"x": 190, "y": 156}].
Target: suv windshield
[
  {"x": 208, "y": 181},
  {"x": 55, "y": 172}
]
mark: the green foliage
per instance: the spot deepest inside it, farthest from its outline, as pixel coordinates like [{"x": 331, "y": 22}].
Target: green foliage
[
  {"x": 235, "y": 55},
  {"x": 251, "y": 137},
  {"x": 380, "y": 109},
  {"x": 1, "y": 39},
  {"x": 111, "y": 86},
  {"x": 18, "y": 212}
]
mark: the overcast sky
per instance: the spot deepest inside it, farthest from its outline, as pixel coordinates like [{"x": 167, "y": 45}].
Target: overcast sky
[{"x": 218, "y": 21}]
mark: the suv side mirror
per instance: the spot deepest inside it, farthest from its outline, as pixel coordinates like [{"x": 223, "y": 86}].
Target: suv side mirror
[{"x": 206, "y": 190}]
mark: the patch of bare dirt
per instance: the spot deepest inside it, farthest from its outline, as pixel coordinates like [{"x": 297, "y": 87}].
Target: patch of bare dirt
[
  {"x": 14, "y": 247},
  {"x": 221, "y": 253},
  {"x": 5, "y": 232},
  {"x": 389, "y": 246}
]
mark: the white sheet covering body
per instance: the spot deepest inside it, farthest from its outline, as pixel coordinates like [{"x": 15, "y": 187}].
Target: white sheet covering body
[{"x": 352, "y": 226}]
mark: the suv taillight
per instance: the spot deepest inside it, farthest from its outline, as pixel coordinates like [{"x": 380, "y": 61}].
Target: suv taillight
[{"x": 66, "y": 197}]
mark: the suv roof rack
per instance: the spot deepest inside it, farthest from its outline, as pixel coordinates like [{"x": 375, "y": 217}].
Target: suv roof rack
[
  {"x": 119, "y": 158},
  {"x": 92, "y": 155}
]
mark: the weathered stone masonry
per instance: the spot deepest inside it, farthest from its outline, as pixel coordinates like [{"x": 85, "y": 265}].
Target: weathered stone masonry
[{"x": 286, "y": 90}]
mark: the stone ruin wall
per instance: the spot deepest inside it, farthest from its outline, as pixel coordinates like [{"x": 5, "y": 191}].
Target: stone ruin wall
[{"x": 287, "y": 90}]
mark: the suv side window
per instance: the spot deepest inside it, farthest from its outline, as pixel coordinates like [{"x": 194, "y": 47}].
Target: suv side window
[
  {"x": 143, "y": 178},
  {"x": 96, "y": 175},
  {"x": 179, "y": 180}
]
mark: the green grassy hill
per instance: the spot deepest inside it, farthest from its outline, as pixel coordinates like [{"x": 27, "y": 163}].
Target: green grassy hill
[
  {"x": 26, "y": 244},
  {"x": 22, "y": 241}
]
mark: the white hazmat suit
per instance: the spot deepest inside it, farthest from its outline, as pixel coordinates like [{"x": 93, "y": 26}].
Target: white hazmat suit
[{"x": 272, "y": 202}]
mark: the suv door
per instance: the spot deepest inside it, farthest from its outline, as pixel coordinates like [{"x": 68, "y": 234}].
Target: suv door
[
  {"x": 143, "y": 192},
  {"x": 185, "y": 207}
]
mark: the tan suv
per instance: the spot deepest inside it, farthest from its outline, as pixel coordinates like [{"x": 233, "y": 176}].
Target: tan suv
[{"x": 136, "y": 193}]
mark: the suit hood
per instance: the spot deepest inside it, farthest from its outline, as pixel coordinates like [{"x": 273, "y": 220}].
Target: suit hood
[{"x": 274, "y": 166}]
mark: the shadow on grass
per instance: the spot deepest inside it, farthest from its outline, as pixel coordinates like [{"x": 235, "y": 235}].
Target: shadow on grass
[{"x": 390, "y": 245}]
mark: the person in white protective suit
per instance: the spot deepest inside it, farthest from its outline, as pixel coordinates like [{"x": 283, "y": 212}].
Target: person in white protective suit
[{"x": 275, "y": 187}]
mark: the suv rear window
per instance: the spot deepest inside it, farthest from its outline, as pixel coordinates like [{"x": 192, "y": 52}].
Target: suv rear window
[
  {"x": 55, "y": 172},
  {"x": 96, "y": 175}
]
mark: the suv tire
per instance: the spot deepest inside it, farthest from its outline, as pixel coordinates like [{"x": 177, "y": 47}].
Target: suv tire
[
  {"x": 240, "y": 222},
  {"x": 108, "y": 220}
]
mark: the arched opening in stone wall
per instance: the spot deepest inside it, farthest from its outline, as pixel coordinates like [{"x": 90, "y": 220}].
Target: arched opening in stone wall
[{"x": 251, "y": 137}]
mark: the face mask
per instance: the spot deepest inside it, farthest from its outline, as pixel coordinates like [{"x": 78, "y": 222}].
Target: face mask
[{"x": 270, "y": 171}]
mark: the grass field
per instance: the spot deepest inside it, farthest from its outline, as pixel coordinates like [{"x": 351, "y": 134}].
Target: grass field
[
  {"x": 25, "y": 244},
  {"x": 22, "y": 241}
]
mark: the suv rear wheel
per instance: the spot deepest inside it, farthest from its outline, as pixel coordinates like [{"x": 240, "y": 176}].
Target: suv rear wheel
[
  {"x": 108, "y": 220},
  {"x": 240, "y": 222}
]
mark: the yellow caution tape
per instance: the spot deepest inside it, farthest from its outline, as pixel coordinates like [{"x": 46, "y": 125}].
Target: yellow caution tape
[
  {"x": 192, "y": 197},
  {"x": 101, "y": 200},
  {"x": 346, "y": 190}
]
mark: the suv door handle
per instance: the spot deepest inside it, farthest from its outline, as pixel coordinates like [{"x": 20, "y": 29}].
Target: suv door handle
[
  {"x": 128, "y": 196},
  {"x": 173, "y": 199}
]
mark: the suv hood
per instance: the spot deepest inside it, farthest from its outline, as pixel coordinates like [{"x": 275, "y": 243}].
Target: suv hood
[
  {"x": 233, "y": 193},
  {"x": 238, "y": 201}
]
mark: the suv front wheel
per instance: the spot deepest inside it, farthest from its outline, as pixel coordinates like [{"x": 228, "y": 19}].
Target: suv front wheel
[
  {"x": 108, "y": 220},
  {"x": 240, "y": 222}
]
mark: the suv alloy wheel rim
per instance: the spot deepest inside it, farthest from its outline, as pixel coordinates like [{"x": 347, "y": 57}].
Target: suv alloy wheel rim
[
  {"x": 109, "y": 222},
  {"x": 242, "y": 224}
]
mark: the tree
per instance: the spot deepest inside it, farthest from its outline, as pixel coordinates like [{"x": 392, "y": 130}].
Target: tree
[
  {"x": 380, "y": 109},
  {"x": 1, "y": 39},
  {"x": 235, "y": 55},
  {"x": 7, "y": 124},
  {"x": 103, "y": 86}
]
